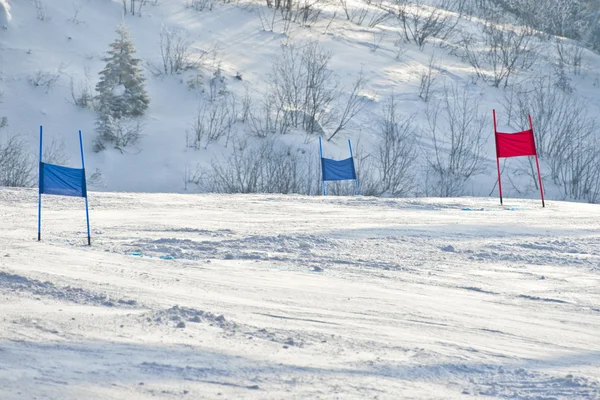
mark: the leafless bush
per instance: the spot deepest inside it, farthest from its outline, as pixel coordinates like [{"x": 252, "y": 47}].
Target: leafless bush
[
  {"x": 569, "y": 55},
  {"x": 177, "y": 53},
  {"x": 377, "y": 38},
  {"x": 246, "y": 104},
  {"x": 420, "y": 22},
  {"x": 263, "y": 168},
  {"x": 201, "y": 5},
  {"x": 76, "y": 10},
  {"x": 428, "y": 80},
  {"x": 394, "y": 153},
  {"x": 302, "y": 88},
  {"x": 503, "y": 53},
  {"x": 456, "y": 129},
  {"x": 17, "y": 166},
  {"x": 274, "y": 16},
  {"x": 400, "y": 46},
  {"x": 355, "y": 104},
  {"x": 216, "y": 85},
  {"x": 213, "y": 121},
  {"x": 139, "y": 3},
  {"x": 40, "y": 10},
  {"x": 55, "y": 153},
  {"x": 379, "y": 16},
  {"x": 307, "y": 12},
  {"x": 575, "y": 19},
  {"x": 565, "y": 135},
  {"x": 555, "y": 114},
  {"x": 46, "y": 79},
  {"x": 268, "y": 118},
  {"x": 82, "y": 95},
  {"x": 3, "y": 120},
  {"x": 121, "y": 132}
]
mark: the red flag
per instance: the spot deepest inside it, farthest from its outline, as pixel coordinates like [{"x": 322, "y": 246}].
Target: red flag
[{"x": 515, "y": 144}]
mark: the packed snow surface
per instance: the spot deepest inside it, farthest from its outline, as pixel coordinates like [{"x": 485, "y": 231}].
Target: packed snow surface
[{"x": 291, "y": 297}]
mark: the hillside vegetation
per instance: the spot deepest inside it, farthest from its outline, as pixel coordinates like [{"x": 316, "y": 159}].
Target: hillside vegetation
[{"x": 231, "y": 96}]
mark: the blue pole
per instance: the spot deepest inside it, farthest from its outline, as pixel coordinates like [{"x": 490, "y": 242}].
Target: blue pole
[
  {"x": 87, "y": 212},
  {"x": 352, "y": 157},
  {"x": 323, "y": 185},
  {"x": 40, "y": 191}
]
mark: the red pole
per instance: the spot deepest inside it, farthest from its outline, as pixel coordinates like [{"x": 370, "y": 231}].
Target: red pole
[
  {"x": 537, "y": 163},
  {"x": 497, "y": 159}
]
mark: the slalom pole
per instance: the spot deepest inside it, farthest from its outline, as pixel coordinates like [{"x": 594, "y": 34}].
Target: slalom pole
[
  {"x": 40, "y": 191},
  {"x": 537, "y": 163},
  {"x": 497, "y": 158},
  {"x": 323, "y": 185},
  {"x": 356, "y": 178},
  {"x": 87, "y": 213}
]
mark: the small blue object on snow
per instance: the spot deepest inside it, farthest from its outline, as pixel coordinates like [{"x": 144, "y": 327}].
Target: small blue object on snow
[
  {"x": 136, "y": 254},
  {"x": 473, "y": 209},
  {"x": 337, "y": 170},
  {"x": 167, "y": 257}
]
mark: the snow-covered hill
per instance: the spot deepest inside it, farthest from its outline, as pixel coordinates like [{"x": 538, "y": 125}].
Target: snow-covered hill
[
  {"x": 55, "y": 44},
  {"x": 272, "y": 297}
]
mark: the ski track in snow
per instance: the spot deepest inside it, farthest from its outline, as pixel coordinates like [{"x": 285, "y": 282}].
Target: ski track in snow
[{"x": 270, "y": 297}]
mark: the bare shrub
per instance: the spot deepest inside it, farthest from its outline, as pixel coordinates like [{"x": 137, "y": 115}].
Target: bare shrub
[
  {"x": 565, "y": 135},
  {"x": 302, "y": 88},
  {"x": 120, "y": 132},
  {"x": 504, "y": 53},
  {"x": 569, "y": 55},
  {"x": 263, "y": 168},
  {"x": 177, "y": 53},
  {"x": 17, "y": 166},
  {"x": 41, "y": 11},
  {"x": 456, "y": 130},
  {"x": 82, "y": 94},
  {"x": 355, "y": 104},
  {"x": 421, "y": 22},
  {"x": 212, "y": 122},
  {"x": 47, "y": 79},
  {"x": 400, "y": 46},
  {"x": 394, "y": 153},
  {"x": 201, "y": 5},
  {"x": 55, "y": 153},
  {"x": 139, "y": 3},
  {"x": 428, "y": 80}
]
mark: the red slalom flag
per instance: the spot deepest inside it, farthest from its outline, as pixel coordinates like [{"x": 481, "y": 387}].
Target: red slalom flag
[{"x": 516, "y": 145}]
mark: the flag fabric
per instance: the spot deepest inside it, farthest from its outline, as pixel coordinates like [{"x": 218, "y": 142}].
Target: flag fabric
[
  {"x": 62, "y": 181},
  {"x": 515, "y": 144},
  {"x": 338, "y": 170}
]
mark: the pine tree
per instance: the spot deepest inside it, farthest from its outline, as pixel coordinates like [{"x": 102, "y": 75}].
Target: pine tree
[{"x": 121, "y": 90}]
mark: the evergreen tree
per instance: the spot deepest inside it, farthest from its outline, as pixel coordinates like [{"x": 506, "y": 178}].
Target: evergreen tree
[{"x": 121, "y": 90}]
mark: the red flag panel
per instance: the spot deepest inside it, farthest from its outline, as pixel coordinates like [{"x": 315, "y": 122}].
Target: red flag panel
[{"x": 515, "y": 144}]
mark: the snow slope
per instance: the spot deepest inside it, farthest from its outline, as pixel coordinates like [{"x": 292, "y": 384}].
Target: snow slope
[
  {"x": 271, "y": 297},
  {"x": 76, "y": 34}
]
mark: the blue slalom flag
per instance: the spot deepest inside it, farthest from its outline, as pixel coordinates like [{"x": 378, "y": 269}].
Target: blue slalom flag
[
  {"x": 62, "y": 181},
  {"x": 338, "y": 170}
]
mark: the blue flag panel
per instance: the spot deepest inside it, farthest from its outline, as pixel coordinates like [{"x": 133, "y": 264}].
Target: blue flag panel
[
  {"x": 62, "y": 181},
  {"x": 334, "y": 170}
]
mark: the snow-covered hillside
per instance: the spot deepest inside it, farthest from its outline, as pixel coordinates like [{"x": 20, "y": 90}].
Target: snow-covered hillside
[
  {"x": 294, "y": 297},
  {"x": 55, "y": 44}
]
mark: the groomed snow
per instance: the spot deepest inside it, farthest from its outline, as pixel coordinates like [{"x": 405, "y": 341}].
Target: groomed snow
[{"x": 290, "y": 297}]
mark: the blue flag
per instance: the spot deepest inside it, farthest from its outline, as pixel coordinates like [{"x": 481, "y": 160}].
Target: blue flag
[
  {"x": 334, "y": 170},
  {"x": 62, "y": 181}
]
